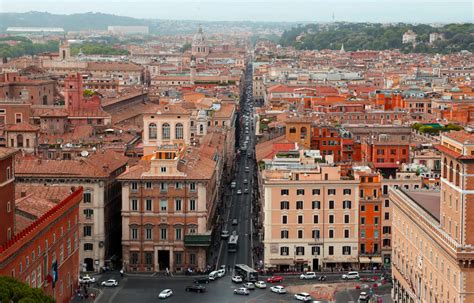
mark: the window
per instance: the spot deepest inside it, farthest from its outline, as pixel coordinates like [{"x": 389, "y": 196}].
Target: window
[
  {"x": 376, "y": 234},
  {"x": 284, "y": 251},
  {"x": 178, "y": 185},
  {"x": 149, "y": 233},
  {"x": 346, "y": 219},
  {"x": 331, "y": 219},
  {"x": 284, "y": 219},
  {"x": 88, "y": 246},
  {"x": 179, "y": 133},
  {"x": 300, "y": 250},
  {"x": 387, "y": 216},
  {"x": 331, "y": 250},
  {"x": 285, "y": 192},
  {"x": 346, "y": 233},
  {"x": 179, "y": 258},
  {"x": 192, "y": 186},
  {"x": 386, "y": 229},
  {"x": 18, "y": 118},
  {"x": 178, "y": 234},
  {"x": 315, "y": 219},
  {"x": 9, "y": 176},
  {"x": 163, "y": 233},
  {"x": 316, "y": 205},
  {"x": 134, "y": 186},
  {"x": 347, "y": 191},
  {"x": 284, "y": 234},
  {"x": 163, "y": 169},
  {"x": 331, "y": 233},
  {"x": 376, "y": 208},
  {"x": 192, "y": 259},
  {"x": 362, "y": 220},
  {"x": 346, "y": 204},
  {"x": 192, "y": 205},
  {"x": 299, "y": 204},
  {"x": 87, "y": 197},
  {"x": 362, "y": 208},
  {"x": 152, "y": 131},
  {"x": 284, "y": 205},
  {"x": 87, "y": 231},
  {"x": 300, "y": 192},
  {"x": 164, "y": 205},
  {"x": 387, "y": 203},
  {"x": 300, "y": 234},
  {"x": 331, "y": 204},
  {"x": 316, "y": 191},
  {"x": 177, "y": 205},
  {"x": 300, "y": 219},
  {"x": 148, "y": 204},
  {"x": 315, "y": 250},
  {"x": 315, "y": 234},
  {"x": 148, "y": 185},
  {"x": 134, "y": 233},
  {"x": 134, "y": 205},
  {"x": 88, "y": 213},
  {"x": 134, "y": 258},
  {"x": 165, "y": 131},
  {"x": 331, "y": 192},
  {"x": 376, "y": 220},
  {"x": 148, "y": 258},
  {"x": 346, "y": 250}
]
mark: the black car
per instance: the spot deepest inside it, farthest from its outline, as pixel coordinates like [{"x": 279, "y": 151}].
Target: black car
[
  {"x": 196, "y": 288},
  {"x": 201, "y": 280}
]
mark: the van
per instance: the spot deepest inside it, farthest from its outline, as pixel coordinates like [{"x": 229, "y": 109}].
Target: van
[{"x": 213, "y": 275}]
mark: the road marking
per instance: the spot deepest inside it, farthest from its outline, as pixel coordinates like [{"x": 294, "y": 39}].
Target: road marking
[{"x": 118, "y": 289}]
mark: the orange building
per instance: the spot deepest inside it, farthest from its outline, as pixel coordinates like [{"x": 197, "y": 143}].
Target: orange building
[
  {"x": 298, "y": 130},
  {"x": 45, "y": 254}
]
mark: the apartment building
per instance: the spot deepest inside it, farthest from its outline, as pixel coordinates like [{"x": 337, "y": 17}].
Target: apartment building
[
  {"x": 310, "y": 213},
  {"x": 432, "y": 244},
  {"x": 167, "y": 202},
  {"x": 7, "y": 194}
]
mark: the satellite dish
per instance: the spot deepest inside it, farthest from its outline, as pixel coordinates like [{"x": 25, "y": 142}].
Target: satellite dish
[{"x": 84, "y": 153}]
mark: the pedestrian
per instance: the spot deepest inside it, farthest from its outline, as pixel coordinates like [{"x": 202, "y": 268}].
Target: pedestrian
[{"x": 121, "y": 272}]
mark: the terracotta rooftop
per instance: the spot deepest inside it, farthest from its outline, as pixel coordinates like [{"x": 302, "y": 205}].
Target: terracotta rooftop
[
  {"x": 460, "y": 136},
  {"x": 22, "y": 127},
  {"x": 7, "y": 152}
]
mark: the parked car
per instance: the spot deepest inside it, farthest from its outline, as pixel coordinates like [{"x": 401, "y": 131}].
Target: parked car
[
  {"x": 221, "y": 272},
  {"x": 308, "y": 275},
  {"x": 364, "y": 297},
  {"x": 303, "y": 296},
  {"x": 165, "y": 293},
  {"x": 202, "y": 280},
  {"x": 196, "y": 288},
  {"x": 235, "y": 222},
  {"x": 213, "y": 275},
  {"x": 275, "y": 279},
  {"x": 279, "y": 289},
  {"x": 86, "y": 279},
  {"x": 249, "y": 285},
  {"x": 261, "y": 284},
  {"x": 109, "y": 283},
  {"x": 225, "y": 234},
  {"x": 246, "y": 191},
  {"x": 246, "y": 181},
  {"x": 233, "y": 184},
  {"x": 237, "y": 279},
  {"x": 239, "y": 192},
  {"x": 247, "y": 169},
  {"x": 352, "y": 275},
  {"x": 241, "y": 291}
]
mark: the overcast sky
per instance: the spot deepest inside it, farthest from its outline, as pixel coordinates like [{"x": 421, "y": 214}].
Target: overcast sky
[{"x": 418, "y": 11}]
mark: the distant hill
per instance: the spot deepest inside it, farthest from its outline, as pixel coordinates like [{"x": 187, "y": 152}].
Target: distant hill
[
  {"x": 373, "y": 36},
  {"x": 74, "y": 22}
]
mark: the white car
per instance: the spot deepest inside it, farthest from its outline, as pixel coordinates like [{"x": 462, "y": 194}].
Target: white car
[
  {"x": 239, "y": 192},
  {"x": 225, "y": 234},
  {"x": 261, "y": 284},
  {"x": 364, "y": 297},
  {"x": 249, "y": 285},
  {"x": 278, "y": 289},
  {"x": 165, "y": 293},
  {"x": 110, "y": 283},
  {"x": 237, "y": 279},
  {"x": 308, "y": 275},
  {"x": 303, "y": 296},
  {"x": 241, "y": 291},
  {"x": 221, "y": 272},
  {"x": 86, "y": 279},
  {"x": 352, "y": 275}
]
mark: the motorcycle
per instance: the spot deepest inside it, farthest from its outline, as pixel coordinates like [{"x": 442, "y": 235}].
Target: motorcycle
[{"x": 322, "y": 278}]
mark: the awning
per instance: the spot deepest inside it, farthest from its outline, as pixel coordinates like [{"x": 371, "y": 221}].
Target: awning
[
  {"x": 289, "y": 261},
  {"x": 197, "y": 240},
  {"x": 367, "y": 260}
]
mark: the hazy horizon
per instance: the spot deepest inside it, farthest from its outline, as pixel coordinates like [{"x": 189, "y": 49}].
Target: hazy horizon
[{"x": 383, "y": 11}]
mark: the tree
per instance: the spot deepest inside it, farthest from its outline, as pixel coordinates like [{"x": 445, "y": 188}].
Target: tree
[
  {"x": 12, "y": 290},
  {"x": 186, "y": 46}
]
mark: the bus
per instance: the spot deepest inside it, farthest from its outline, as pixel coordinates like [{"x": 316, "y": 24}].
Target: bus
[
  {"x": 246, "y": 272},
  {"x": 232, "y": 244}
]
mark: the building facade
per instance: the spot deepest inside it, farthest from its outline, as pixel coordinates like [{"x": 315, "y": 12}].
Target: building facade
[{"x": 7, "y": 194}]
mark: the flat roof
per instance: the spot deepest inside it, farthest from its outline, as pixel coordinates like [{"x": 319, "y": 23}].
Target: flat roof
[{"x": 428, "y": 200}]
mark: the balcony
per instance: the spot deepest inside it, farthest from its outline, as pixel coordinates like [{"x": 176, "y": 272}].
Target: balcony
[{"x": 203, "y": 240}]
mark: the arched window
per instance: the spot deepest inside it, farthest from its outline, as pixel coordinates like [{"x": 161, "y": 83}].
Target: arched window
[
  {"x": 445, "y": 168},
  {"x": 165, "y": 131},
  {"x": 458, "y": 175},
  {"x": 201, "y": 129},
  {"x": 451, "y": 169},
  {"x": 303, "y": 132},
  {"x": 45, "y": 100},
  {"x": 179, "y": 131},
  {"x": 152, "y": 133},
  {"x": 19, "y": 141}
]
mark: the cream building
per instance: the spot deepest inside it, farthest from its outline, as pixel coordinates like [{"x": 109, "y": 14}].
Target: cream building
[
  {"x": 433, "y": 254},
  {"x": 310, "y": 214}
]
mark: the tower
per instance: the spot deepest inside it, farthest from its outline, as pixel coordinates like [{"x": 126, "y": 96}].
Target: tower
[
  {"x": 73, "y": 91},
  {"x": 199, "y": 47},
  {"x": 193, "y": 69},
  {"x": 64, "y": 51}
]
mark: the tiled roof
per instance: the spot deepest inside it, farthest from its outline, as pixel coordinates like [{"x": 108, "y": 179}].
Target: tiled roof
[
  {"x": 98, "y": 165},
  {"x": 461, "y": 136},
  {"x": 22, "y": 127},
  {"x": 7, "y": 152},
  {"x": 114, "y": 66}
]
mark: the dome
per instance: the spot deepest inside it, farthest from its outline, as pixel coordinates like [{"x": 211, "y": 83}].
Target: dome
[{"x": 199, "y": 38}]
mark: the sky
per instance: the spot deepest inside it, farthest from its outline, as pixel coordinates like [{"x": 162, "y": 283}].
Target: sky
[{"x": 412, "y": 11}]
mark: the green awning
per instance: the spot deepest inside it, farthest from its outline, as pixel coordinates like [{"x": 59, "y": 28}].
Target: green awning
[{"x": 197, "y": 240}]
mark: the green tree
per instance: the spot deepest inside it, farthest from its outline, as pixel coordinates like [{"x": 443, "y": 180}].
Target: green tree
[{"x": 12, "y": 290}]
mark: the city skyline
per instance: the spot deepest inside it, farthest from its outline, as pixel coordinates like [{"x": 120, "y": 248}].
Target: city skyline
[{"x": 386, "y": 11}]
